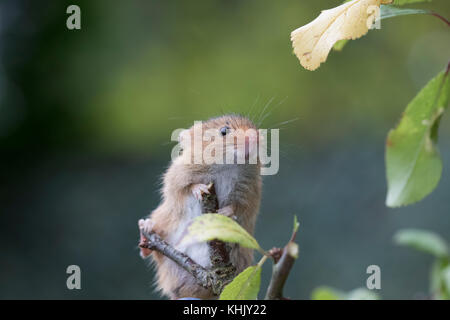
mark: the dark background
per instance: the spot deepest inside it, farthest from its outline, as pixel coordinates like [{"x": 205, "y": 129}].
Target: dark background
[{"x": 86, "y": 118}]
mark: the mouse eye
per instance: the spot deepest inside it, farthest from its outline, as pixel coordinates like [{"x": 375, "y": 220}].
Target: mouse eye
[{"x": 224, "y": 130}]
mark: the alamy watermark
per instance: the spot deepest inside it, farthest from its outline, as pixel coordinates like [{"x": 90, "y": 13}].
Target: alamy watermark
[
  {"x": 73, "y": 22},
  {"x": 374, "y": 280},
  {"x": 374, "y": 17},
  {"x": 74, "y": 280}
]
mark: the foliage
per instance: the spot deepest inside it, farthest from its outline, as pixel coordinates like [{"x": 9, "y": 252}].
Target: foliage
[
  {"x": 218, "y": 227},
  {"x": 328, "y": 293},
  {"x": 413, "y": 163},
  {"x": 313, "y": 42},
  {"x": 402, "y": 2},
  {"x": 433, "y": 244},
  {"x": 425, "y": 241},
  {"x": 420, "y": 240},
  {"x": 391, "y": 12},
  {"x": 386, "y": 11},
  {"x": 246, "y": 285}
]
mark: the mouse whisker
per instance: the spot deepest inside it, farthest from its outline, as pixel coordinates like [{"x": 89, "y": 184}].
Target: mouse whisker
[
  {"x": 270, "y": 111},
  {"x": 261, "y": 114},
  {"x": 252, "y": 111},
  {"x": 283, "y": 123}
]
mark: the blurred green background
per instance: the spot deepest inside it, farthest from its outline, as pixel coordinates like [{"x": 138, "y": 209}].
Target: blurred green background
[{"x": 86, "y": 118}]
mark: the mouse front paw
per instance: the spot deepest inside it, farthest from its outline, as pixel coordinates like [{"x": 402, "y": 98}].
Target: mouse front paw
[
  {"x": 198, "y": 190},
  {"x": 226, "y": 211},
  {"x": 147, "y": 227}
]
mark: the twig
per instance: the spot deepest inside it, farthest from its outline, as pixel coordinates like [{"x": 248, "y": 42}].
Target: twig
[
  {"x": 220, "y": 251},
  {"x": 155, "y": 242},
  {"x": 440, "y": 17},
  {"x": 281, "y": 268},
  {"x": 221, "y": 271}
]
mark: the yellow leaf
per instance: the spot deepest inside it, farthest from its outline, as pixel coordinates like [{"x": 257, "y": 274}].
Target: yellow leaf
[
  {"x": 212, "y": 226},
  {"x": 351, "y": 20}
]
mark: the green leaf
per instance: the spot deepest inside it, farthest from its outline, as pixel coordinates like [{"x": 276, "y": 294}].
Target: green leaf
[
  {"x": 326, "y": 293},
  {"x": 403, "y": 2},
  {"x": 435, "y": 278},
  {"x": 390, "y": 12},
  {"x": 422, "y": 240},
  {"x": 296, "y": 224},
  {"x": 245, "y": 286},
  {"x": 212, "y": 226},
  {"x": 446, "y": 280},
  {"x": 362, "y": 294},
  {"x": 440, "y": 277},
  {"x": 413, "y": 163},
  {"x": 338, "y": 46}
]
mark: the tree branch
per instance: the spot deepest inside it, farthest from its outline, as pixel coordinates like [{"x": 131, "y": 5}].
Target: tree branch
[
  {"x": 281, "y": 268},
  {"x": 221, "y": 271},
  {"x": 220, "y": 251},
  {"x": 155, "y": 242}
]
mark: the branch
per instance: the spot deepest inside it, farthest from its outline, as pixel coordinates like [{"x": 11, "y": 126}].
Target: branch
[
  {"x": 155, "y": 242},
  {"x": 220, "y": 251},
  {"x": 221, "y": 271},
  {"x": 281, "y": 268},
  {"x": 440, "y": 17}
]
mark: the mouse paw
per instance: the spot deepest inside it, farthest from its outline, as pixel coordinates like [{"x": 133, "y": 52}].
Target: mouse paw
[
  {"x": 146, "y": 226},
  {"x": 198, "y": 190},
  {"x": 226, "y": 211}
]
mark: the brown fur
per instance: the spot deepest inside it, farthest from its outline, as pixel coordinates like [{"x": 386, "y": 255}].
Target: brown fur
[{"x": 244, "y": 198}]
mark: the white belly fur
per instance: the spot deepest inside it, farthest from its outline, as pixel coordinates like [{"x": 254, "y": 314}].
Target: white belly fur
[
  {"x": 226, "y": 181},
  {"x": 199, "y": 251}
]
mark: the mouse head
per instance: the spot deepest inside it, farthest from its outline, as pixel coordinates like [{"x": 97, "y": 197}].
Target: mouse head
[{"x": 228, "y": 139}]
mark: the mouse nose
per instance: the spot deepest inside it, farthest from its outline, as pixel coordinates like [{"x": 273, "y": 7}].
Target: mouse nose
[
  {"x": 250, "y": 142},
  {"x": 253, "y": 138}
]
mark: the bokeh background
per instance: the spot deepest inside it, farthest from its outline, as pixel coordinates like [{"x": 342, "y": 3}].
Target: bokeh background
[{"x": 86, "y": 118}]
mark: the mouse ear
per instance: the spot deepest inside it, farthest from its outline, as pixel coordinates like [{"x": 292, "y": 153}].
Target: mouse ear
[
  {"x": 182, "y": 135},
  {"x": 179, "y": 135}
]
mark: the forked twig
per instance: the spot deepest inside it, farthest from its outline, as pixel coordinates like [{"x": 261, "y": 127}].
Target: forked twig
[{"x": 221, "y": 271}]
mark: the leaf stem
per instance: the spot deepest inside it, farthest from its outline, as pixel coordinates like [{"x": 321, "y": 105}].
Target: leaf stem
[
  {"x": 437, "y": 15},
  {"x": 263, "y": 259}
]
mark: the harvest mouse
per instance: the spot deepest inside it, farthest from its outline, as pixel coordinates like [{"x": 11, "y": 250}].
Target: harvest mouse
[{"x": 238, "y": 189}]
